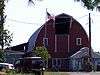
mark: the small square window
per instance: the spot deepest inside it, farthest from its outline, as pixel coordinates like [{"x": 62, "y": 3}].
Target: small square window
[{"x": 78, "y": 41}]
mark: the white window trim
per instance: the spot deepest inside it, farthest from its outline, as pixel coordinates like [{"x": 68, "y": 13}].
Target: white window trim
[
  {"x": 44, "y": 41},
  {"x": 78, "y": 41}
]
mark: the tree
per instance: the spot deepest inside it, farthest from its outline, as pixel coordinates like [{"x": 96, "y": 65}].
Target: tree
[
  {"x": 42, "y": 52},
  {"x": 1, "y": 56},
  {"x": 90, "y": 4},
  {"x": 86, "y": 64},
  {"x": 5, "y": 36}
]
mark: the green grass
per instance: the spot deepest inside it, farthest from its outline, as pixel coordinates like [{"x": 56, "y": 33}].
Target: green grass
[
  {"x": 20, "y": 74},
  {"x": 25, "y": 74},
  {"x": 55, "y": 73},
  {"x": 14, "y": 73}
]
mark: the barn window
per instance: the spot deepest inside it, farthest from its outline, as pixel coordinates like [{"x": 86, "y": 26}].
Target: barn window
[
  {"x": 45, "y": 42},
  {"x": 78, "y": 41},
  {"x": 62, "y": 25}
]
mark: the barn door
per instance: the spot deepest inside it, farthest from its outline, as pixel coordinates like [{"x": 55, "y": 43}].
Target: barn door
[
  {"x": 62, "y": 30},
  {"x": 62, "y": 43}
]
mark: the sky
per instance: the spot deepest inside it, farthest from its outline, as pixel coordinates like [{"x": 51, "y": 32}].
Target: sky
[{"x": 24, "y": 19}]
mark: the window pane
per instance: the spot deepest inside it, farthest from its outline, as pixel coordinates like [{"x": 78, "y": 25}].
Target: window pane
[{"x": 78, "y": 41}]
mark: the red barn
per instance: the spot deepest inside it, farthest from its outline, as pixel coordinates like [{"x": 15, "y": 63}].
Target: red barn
[{"x": 63, "y": 37}]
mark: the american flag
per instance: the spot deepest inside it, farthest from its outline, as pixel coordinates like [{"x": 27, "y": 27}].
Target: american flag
[{"x": 49, "y": 16}]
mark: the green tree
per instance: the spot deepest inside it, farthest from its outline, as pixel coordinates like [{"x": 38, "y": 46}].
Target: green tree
[
  {"x": 86, "y": 64},
  {"x": 42, "y": 52},
  {"x": 90, "y": 4},
  {"x": 5, "y": 36},
  {"x": 1, "y": 56}
]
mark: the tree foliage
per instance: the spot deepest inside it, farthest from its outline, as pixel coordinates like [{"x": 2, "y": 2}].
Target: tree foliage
[
  {"x": 5, "y": 36},
  {"x": 90, "y": 4},
  {"x": 1, "y": 56},
  {"x": 87, "y": 65},
  {"x": 42, "y": 52}
]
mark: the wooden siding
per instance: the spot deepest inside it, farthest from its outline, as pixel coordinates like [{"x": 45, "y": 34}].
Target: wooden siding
[
  {"x": 76, "y": 31},
  {"x": 62, "y": 46}
]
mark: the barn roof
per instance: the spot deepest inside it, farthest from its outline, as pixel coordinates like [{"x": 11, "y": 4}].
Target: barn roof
[
  {"x": 32, "y": 40},
  {"x": 63, "y": 15},
  {"x": 84, "y": 51}
]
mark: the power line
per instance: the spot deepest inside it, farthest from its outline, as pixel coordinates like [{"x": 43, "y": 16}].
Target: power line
[
  {"x": 82, "y": 17},
  {"x": 18, "y": 21},
  {"x": 21, "y": 21}
]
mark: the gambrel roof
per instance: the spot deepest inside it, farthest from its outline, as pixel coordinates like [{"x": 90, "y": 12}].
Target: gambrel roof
[{"x": 32, "y": 40}]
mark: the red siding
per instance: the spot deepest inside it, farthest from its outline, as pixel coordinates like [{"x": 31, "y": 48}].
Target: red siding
[
  {"x": 76, "y": 31},
  {"x": 66, "y": 44}
]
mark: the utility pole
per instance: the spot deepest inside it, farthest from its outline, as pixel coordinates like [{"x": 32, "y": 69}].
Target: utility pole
[
  {"x": 90, "y": 48},
  {"x": 90, "y": 36}
]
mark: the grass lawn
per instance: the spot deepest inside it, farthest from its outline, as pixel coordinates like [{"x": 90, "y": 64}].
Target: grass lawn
[
  {"x": 56, "y": 73},
  {"x": 25, "y": 74},
  {"x": 12, "y": 73},
  {"x": 72, "y": 73}
]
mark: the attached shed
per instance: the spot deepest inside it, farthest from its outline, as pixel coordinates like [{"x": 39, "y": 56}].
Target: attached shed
[{"x": 76, "y": 60}]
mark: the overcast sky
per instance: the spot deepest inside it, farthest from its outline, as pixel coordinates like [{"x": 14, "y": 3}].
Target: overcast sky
[{"x": 22, "y": 20}]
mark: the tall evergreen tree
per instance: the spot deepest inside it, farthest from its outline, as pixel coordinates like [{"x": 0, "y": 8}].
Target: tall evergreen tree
[{"x": 5, "y": 36}]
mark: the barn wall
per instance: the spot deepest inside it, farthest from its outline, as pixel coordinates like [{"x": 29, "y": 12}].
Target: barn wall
[
  {"x": 77, "y": 31},
  {"x": 50, "y": 34},
  {"x": 61, "y": 46}
]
